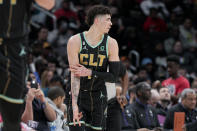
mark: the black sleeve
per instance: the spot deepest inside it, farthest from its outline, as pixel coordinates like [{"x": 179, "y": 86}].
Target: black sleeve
[
  {"x": 131, "y": 119},
  {"x": 112, "y": 75},
  {"x": 122, "y": 70},
  {"x": 156, "y": 118},
  {"x": 192, "y": 126},
  {"x": 169, "y": 121}
]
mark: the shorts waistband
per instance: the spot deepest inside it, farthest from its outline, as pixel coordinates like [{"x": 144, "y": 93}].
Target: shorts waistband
[{"x": 11, "y": 100}]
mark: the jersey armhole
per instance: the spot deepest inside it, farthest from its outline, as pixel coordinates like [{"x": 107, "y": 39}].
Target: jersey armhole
[
  {"x": 81, "y": 43},
  {"x": 107, "y": 47}
]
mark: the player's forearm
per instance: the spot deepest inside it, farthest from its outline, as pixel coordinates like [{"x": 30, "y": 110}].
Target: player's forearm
[
  {"x": 28, "y": 113},
  {"x": 125, "y": 83},
  {"x": 75, "y": 85},
  {"x": 50, "y": 112}
]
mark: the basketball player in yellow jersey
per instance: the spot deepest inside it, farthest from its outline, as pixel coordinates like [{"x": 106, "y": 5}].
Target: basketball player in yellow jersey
[{"x": 89, "y": 54}]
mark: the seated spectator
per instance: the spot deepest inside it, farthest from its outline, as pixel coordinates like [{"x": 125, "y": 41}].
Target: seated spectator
[
  {"x": 159, "y": 54},
  {"x": 1, "y": 122},
  {"x": 187, "y": 34},
  {"x": 56, "y": 81},
  {"x": 38, "y": 44},
  {"x": 187, "y": 105},
  {"x": 153, "y": 23},
  {"x": 69, "y": 13},
  {"x": 190, "y": 127},
  {"x": 59, "y": 37},
  {"x": 177, "y": 49},
  {"x": 147, "y": 64},
  {"x": 146, "y": 5},
  {"x": 169, "y": 42},
  {"x": 56, "y": 98},
  {"x": 66, "y": 11},
  {"x": 163, "y": 104},
  {"x": 141, "y": 75},
  {"x": 155, "y": 98},
  {"x": 140, "y": 115},
  {"x": 46, "y": 77},
  {"x": 37, "y": 111},
  {"x": 194, "y": 85},
  {"x": 131, "y": 95},
  {"x": 24, "y": 126}
]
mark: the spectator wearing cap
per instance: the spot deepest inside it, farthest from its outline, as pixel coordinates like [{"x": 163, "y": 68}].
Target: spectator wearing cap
[
  {"x": 175, "y": 83},
  {"x": 187, "y": 105},
  {"x": 147, "y": 64},
  {"x": 146, "y": 61},
  {"x": 139, "y": 114}
]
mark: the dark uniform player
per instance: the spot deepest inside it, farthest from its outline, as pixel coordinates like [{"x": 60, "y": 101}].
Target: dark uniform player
[
  {"x": 116, "y": 104},
  {"x": 89, "y": 55},
  {"x": 14, "y": 22},
  {"x": 92, "y": 92}
]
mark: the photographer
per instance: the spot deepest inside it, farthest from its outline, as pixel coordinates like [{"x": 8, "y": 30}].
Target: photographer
[{"x": 37, "y": 111}]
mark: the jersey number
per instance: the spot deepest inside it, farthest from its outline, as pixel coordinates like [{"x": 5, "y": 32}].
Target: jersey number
[{"x": 12, "y": 2}]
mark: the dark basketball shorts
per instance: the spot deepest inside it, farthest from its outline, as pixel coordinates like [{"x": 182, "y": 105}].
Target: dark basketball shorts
[
  {"x": 93, "y": 106},
  {"x": 12, "y": 70}
]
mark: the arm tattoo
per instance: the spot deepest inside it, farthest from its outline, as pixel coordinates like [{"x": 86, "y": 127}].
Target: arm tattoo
[{"x": 75, "y": 85}]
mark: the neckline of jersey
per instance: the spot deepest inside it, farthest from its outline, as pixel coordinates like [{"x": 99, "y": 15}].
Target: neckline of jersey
[{"x": 92, "y": 45}]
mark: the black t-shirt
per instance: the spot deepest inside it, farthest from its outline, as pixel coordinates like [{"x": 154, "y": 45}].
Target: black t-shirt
[
  {"x": 15, "y": 15},
  {"x": 39, "y": 116}
]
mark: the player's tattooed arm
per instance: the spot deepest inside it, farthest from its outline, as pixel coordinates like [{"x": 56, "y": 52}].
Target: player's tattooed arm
[
  {"x": 73, "y": 47},
  {"x": 75, "y": 85}
]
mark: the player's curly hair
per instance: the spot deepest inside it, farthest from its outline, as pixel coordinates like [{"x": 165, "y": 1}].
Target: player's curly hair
[{"x": 95, "y": 11}]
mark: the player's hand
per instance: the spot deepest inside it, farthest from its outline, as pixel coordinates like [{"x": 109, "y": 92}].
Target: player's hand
[
  {"x": 76, "y": 116},
  {"x": 80, "y": 70},
  {"x": 122, "y": 100},
  {"x": 39, "y": 95},
  {"x": 30, "y": 94}
]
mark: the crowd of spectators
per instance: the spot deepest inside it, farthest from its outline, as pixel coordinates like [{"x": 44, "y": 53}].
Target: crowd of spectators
[{"x": 154, "y": 29}]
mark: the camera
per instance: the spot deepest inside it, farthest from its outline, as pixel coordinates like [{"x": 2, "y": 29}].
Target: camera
[{"x": 34, "y": 84}]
